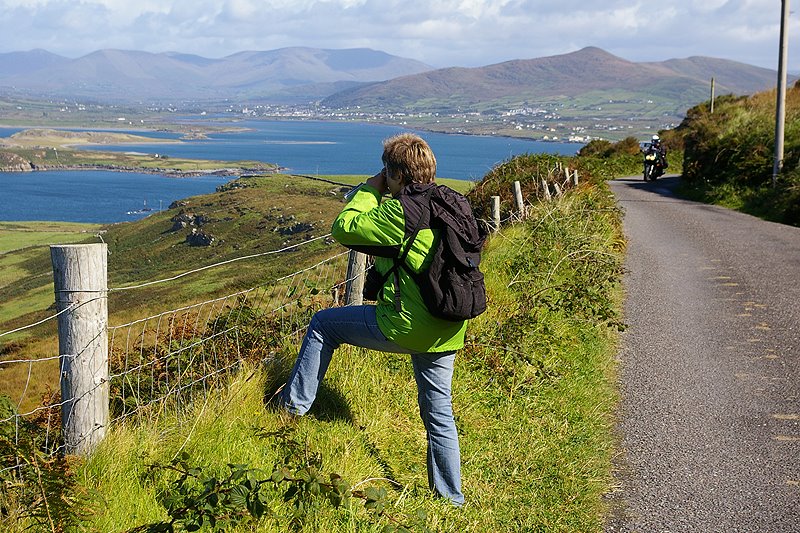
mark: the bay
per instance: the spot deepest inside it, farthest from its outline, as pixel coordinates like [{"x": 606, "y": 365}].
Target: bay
[
  {"x": 320, "y": 147},
  {"x": 299, "y": 146},
  {"x": 96, "y": 196}
]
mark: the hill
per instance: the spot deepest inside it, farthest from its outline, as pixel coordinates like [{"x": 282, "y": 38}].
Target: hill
[
  {"x": 589, "y": 85},
  {"x": 23, "y": 63},
  {"x": 570, "y": 75},
  {"x": 247, "y": 215},
  {"x": 287, "y": 74},
  {"x": 371, "y": 78},
  {"x": 577, "y": 96}
]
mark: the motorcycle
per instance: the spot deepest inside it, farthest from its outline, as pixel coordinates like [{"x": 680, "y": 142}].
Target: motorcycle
[{"x": 653, "y": 164}]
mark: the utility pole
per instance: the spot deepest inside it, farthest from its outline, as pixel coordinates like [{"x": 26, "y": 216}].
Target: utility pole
[{"x": 780, "y": 111}]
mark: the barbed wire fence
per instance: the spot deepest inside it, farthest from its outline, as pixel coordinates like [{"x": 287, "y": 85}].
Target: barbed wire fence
[{"x": 171, "y": 359}]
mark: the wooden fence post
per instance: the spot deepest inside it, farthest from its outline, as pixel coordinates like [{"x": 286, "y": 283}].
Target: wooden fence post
[
  {"x": 575, "y": 179},
  {"x": 519, "y": 201},
  {"x": 557, "y": 188},
  {"x": 546, "y": 190},
  {"x": 354, "y": 290},
  {"x": 80, "y": 279},
  {"x": 495, "y": 214}
]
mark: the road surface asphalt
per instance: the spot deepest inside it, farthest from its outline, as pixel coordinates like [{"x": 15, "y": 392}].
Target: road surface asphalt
[{"x": 709, "y": 369}]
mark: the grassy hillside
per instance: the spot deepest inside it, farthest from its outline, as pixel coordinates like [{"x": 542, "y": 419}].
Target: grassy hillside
[
  {"x": 253, "y": 215},
  {"x": 729, "y": 155},
  {"x": 250, "y": 216},
  {"x": 533, "y": 392},
  {"x": 16, "y": 236},
  {"x": 21, "y": 244}
]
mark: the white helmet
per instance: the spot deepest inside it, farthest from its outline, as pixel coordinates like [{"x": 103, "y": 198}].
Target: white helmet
[{"x": 655, "y": 138}]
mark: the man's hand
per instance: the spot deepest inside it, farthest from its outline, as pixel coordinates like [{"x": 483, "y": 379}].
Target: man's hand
[{"x": 378, "y": 181}]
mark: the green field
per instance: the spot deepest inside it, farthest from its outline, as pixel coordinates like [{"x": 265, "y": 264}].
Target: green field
[
  {"x": 24, "y": 276},
  {"x": 18, "y": 235},
  {"x": 24, "y": 280}
]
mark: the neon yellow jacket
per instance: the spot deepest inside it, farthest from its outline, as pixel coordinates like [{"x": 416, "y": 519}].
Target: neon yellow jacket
[{"x": 366, "y": 221}]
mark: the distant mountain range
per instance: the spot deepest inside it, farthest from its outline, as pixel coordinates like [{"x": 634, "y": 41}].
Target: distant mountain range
[
  {"x": 284, "y": 75},
  {"x": 375, "y": 80}
]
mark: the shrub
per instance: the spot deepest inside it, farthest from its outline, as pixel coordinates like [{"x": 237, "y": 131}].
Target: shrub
[{"x": 729, "y": 155}]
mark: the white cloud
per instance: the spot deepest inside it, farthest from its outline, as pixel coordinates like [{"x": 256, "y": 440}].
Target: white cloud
[{"x": 443, "y": 33}]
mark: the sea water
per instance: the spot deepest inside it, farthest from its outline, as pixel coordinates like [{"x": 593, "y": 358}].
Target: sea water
[
  {"x": 317, "y": 147},
  {"x": 93, "y": 196},
  {"x": 300, "y": 147}
]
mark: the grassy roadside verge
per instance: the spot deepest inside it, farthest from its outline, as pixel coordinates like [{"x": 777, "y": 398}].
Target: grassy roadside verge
[
  {"x": 533, "y": 394},
  {"x": 730, "y": 153}
]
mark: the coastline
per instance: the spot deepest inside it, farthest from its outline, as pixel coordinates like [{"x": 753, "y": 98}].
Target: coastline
[
  {"x": 424, "y": 127},
  {"x": 180, "y": 164},
  {"x": 170, "y": 172},
  {"x": 29, "y": 150}
]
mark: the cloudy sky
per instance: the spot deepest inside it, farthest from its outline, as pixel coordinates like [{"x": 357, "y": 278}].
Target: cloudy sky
[{"x": 438, "y": 32}]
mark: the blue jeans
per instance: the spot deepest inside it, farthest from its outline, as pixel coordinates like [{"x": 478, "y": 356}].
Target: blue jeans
[{"x": 357, "y": 325}]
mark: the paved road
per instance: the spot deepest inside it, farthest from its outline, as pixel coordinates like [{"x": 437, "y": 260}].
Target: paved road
[{"x": 709, "y": 369}]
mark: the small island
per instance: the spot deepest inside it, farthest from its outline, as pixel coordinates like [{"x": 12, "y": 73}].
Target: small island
[{"x": 41, "y": 149}]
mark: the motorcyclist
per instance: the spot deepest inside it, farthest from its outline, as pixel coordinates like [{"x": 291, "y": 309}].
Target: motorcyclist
[
  {"x": 655, "y": 144},
  {"x": 655, "y": 148}
]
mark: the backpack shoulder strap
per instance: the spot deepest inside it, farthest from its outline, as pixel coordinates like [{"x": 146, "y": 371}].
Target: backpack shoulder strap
[{"x": 400, "y": 261}]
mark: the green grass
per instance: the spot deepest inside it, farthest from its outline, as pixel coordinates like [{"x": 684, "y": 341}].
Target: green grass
[
  {"x": 26, "y": 282},
  {"x": 533, "y": 390},
  {"x": 35, "y": 300},
  {"x": 730, "y": 155},
  {"x": 19, "y": 235},
  {"x": 533, "y": 395},
  {"x": 243, "y": 221}
]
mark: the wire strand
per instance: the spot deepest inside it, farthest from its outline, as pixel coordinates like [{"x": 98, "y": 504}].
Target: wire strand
[
  {"x": 69, "y": 308},
  {"x": 173, "y": 278}
]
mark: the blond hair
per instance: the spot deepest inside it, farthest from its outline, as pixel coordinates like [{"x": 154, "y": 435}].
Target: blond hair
[{"x": 409, "y": 156}]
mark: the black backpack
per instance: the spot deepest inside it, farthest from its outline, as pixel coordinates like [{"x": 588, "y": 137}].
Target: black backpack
[{"x": 452, "y": 286}]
